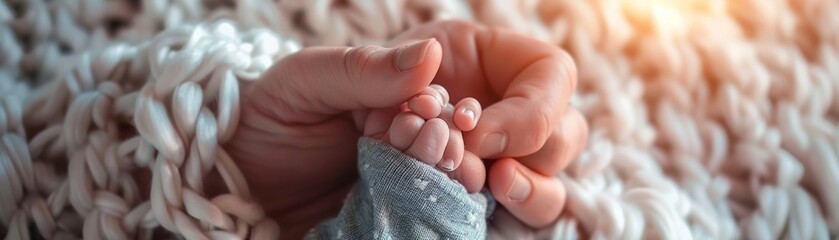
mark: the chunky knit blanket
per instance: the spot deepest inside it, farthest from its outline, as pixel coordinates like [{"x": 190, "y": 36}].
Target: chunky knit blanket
[{"x": 710, "y": 119}]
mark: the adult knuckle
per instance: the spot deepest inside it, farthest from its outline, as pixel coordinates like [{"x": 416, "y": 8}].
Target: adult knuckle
[
  {"x": 541, "y": 122},
  {"x": 570, "y": 69},
  {"x": 356, "y": 61}
]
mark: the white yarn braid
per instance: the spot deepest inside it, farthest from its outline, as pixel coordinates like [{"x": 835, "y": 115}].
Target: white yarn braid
[
  {"x": 709, "y": 119},
  {"x": 195, "y": 67},
  {"x": 191, "y": 72}
]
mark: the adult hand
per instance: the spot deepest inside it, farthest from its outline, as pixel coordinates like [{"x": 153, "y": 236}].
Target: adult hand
[
  {"x": 527, "y": 124},
  {"x": 296, "y": 143}
]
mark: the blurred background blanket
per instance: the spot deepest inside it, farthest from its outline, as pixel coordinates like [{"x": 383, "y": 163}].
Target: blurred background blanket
[{"x": 710, "y": 119}]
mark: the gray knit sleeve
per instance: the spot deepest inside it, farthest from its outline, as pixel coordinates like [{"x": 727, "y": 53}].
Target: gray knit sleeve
[{"x": 398, "y": 197}]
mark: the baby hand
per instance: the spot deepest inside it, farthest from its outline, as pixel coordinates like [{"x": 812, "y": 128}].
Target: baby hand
[{"x": 429, "y": 129}]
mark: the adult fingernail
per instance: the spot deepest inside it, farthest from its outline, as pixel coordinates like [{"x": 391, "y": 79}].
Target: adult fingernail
[
  {"x": 493, "y": 144},
  {"x": 520, "y": 189},
  {"x": 410, "y": 56},
  {"x": 447, "y": 165}
]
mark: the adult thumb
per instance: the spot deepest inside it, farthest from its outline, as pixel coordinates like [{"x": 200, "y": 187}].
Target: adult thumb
[{"x": 319, "y": 82}]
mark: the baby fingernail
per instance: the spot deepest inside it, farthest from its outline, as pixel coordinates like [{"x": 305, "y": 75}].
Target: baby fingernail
[
  {"x": 493, "y": 144},
  {"x": 520, "y": 189},
  {"x": 469, "y": 113},
  {"x": 442, "y": 91},
  {"x": 447, "y": 165},
  {"x": 437, "y": 96}
]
